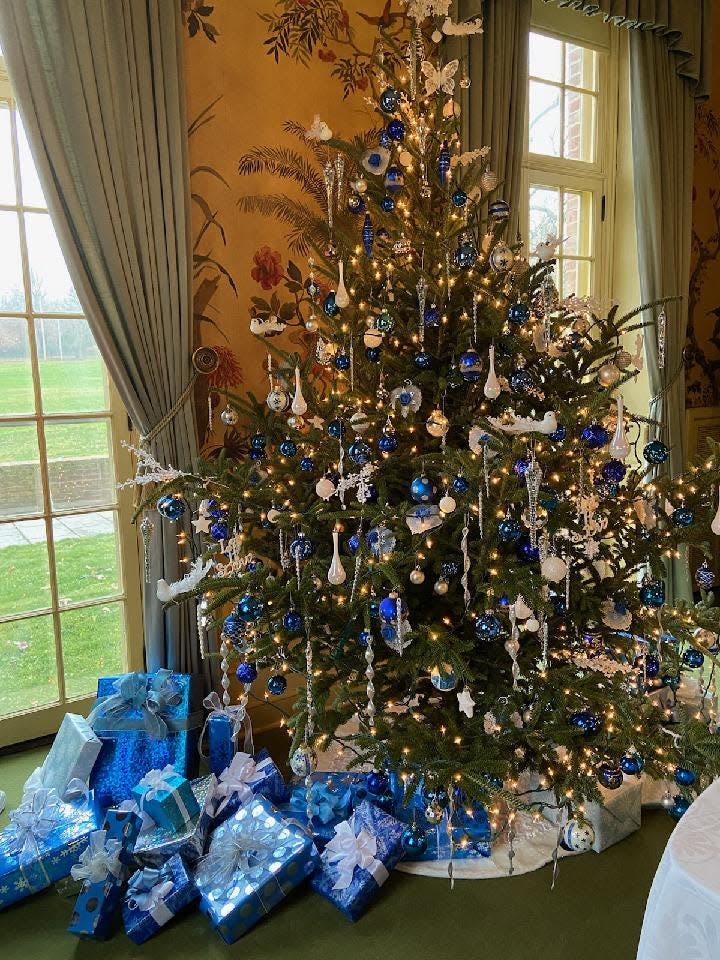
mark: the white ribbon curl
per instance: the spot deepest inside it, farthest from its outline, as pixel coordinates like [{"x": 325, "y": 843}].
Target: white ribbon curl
[{"x": 100, "y": 858}]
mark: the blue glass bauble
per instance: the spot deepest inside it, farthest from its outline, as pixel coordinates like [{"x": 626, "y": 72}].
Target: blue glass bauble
[
  {"x": 423, "y": 490},
  {"x": 246, "y": 672},
  {"x": 394, "y": 181},
  {"x": 613, "y": 470},
  {"x": 219, "y": 530},
  {"x": 353, "y": 543},
  {"x": 679, "y": 808},
  {"x": 388, "y": 442},
  {"x": 499, "y": 210},
  {"x": 693, "y": 658},
  {"x": 518, "y": 313},
  {"x": 258, "y": 441},
  {"x": 460, "y": 484},
  {"x": 376, "y": 781},
  {"x": 287, "y": 447},
  {"x": 414, "y": 840},
  {"x": 684, "y": 777},
  {"x": 487, "y": 626},
  {"x": 652, "y": 593},
  {"x": 526, "y": 552},
  {"x": 450, "y": 568},
  {"x": 301, "y": 547},
  {"x": 704, "y": 576},
  {"x": 388, "y": 608},
  {"x": 423, "y": 361},
  {"x": 381, "y": 540},
  {"x": 594, "y": 436},
  {"x": 470, "y": 364},
  {"x": 444, "y": 163},
  {"x": 374, "y": 609},
  {"x": 329, "y": 305},
  {"x": 388, "y": 204},
  {"x": 257, "y": 454},
  {"x": 307, "y": 464},
  {"x": 233, "y": 627},
  {"x": 548, "y": 498},
  {"x": 360, "y": 452},
  {"x": 249, "y": 608},
  {"x": 389, "y": 100},
  {"x": 466, "y": 254},
  {"x": 509, "y": 530},
  {"x": 372, "y": 354},
  {"x": 557, "y": 436},
  {"x": 384, "y": 322},
  {"x": 632, "y": 764},
  {"x": 405, "y": 398},
  {"x": 443, "y": 678},
  {"x": 682, "y": 517},
  {"x": 368, "y": 235},
  {"x": 342, "y": 361},
  {"x": 606, "y": 489},
  {"x": 521, "y": 466},
  {"x": 656, "y": 452},
  {"x": 292, "y": 621},
  {"x": 254, "y": 565},
  {"x": 355, "y": 203},
  {"x": 336, "y": 428},
  {"x": 276, "y": 684},
  {"x": 171, "y": 508},
  {"x": 651, "y": 665},
  {"x": 431, "y": 316},
  {"x": 559, "y": 605},
  {"x": 458, "y": 197},
  {"x": 364, "y": 637},
  {"x": 384, "y": 139},
  {"x": 214, "y": 509},
  {"x": 371, "y": 493},
  {"x": 521, "y": 380},
  {"x": 586, "y": 721},
  {"x": 671, "y": 681},
  {"x": 610, "y": 775},
  {"x": 396, "y": 129}
]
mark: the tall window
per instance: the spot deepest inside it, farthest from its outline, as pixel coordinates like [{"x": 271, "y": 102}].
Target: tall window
[
  {"x": 570, "y": 155},
  {"x": 67, "y": 601}
]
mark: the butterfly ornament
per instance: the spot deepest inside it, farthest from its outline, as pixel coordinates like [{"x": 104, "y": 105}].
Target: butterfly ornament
[{"x": 439, "y": 78}]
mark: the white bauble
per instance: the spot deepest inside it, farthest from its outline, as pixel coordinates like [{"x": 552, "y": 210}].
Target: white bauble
[
  {"x": 447, "y": 504},
  {"x": 417, "y": 576},
  {"x": 553, "y": 568},
  {"x": 441, "y": 587},
  {"x": 522, "y": 610},
  {"x": 278, "y": 400},
  {"x": 437, "y": 424},
  {"x": 579, "y": 836},
  {"x": 324, "y": 488},
  {"x": 311, "y": 325},
  {"x": 273, "y": 515},
  {"x": 608, "y": 375},
  {"x": 372, "y": 338},
  {"x": 359, "y": 422},
  {"x": 532, "y": 624}
]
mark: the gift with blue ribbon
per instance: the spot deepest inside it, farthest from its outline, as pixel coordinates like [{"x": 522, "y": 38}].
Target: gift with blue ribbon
[
  {"x": 255, "y": 858},
  {"x": 333, "y": 797},
  {"x": 224, "y": 724},
  {"x": 42, "y": 842},
  {"x": 144, "y": 722},
  {"x": 357, "y": 861},
  {"x": 166, "y": 797},
  {"x": 103, "y": 868},
  {"x": 154, "y": 896},
  {"x": 239, "y": 782},
  {"x": 157, "y": 843}
]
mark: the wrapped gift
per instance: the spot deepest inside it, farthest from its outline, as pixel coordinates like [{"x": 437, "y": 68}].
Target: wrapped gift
[
  {"x": 44, "y": 839},
  {"x": 332, "y": 799},
  {"x": 154, "y": 896},
  {"x": 224, "y": 724},
  {"x": 69, "y": 763},
  {"x": 359, "y": 858},
  {"x": 103, "y": 868},
  {"x": 255, "y": 858},
  {"x": 244, "y": 778},
  {"x": 158, "y": 844},
  {"x": 619, "y": 815},
  {"x": 167, "y": 797},
  {"x": 144, "y": 721}
]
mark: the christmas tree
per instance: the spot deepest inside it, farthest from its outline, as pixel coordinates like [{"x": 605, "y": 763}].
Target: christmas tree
[{"x": 445, "y": 519}]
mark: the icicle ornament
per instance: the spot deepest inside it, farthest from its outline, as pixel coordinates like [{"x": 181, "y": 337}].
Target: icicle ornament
[
  {"x": 533, "y": 479},
  {"x": 492, "y": 388},
  {"x": 661, "y": 336},
  {"x": 336, "y": 574},
  {"x": 619, "y": 446},
  {"x": 298, "y": 406}
]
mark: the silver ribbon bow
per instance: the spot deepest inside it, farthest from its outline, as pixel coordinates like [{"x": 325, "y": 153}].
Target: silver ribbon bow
[
  {"x": 132, "y": 693},
  {"x": 148, "y": 888},
  {"x": 157, "y": 780},
  {"x": 100, "y": 858},
  {"x": 346, "y": 851},
  {"x": 237, "y": 779},
  {"x": 236, "y": 714},
  {"x": 33, "y": 820},
  {"x": 247, "y": 846}
]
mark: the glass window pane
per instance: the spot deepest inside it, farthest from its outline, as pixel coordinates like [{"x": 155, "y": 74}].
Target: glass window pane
[
  {"x": 25, "y": 581},
  {"x": 92, "y": 642},
  {"x": 28, "y": 672},
  {"x": 32, "y": 193},
  {"x": 7, "y": 175},
  {"x": 544, "y": 119},
  {"x": 577, "y": 224},
  {"x": 544, "y": 214},
  {"x": 50, "y": 285},
  {"x": 72, "y": 376},
  {"x": 545, "y": 57},
  {"x": 16, "y": 385},
  {"x": 12, "y": 292},
  {"x": 579, "y": 131},
  {"x": 580, "y": 67},
  {"x": 79, "y": 464},
  {"x": 20, "y": 480},
  {"x": 576, "y": 278},
  {"x": 86, "y": 557}
]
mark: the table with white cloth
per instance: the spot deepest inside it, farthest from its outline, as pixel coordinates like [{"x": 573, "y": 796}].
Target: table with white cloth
[{"x": 682, "y": 917}]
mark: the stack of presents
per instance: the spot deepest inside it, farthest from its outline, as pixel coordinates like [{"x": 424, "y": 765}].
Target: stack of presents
[{"x": 118, "y": 806}]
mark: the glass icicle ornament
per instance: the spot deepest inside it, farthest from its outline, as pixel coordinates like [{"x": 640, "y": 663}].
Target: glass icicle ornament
[
  {"x": 369, "y": 674},
  {"x": 329, "y": 178},
  {"x": 336, "y": 574},
  {"x": 533, "y": 479},
  {"x": 340, "y": 179},
  {"x": 422, "y": 290},
  {"x": 492, "y": 388},
  {"x": 661, "y": 335},
  {"x": 298, "y": 406},
  {"x": 619, "y": 447}
]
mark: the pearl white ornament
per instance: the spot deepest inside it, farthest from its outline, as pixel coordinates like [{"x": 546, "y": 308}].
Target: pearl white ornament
[
  {"x": 372, "y": 338},
  {"x": 273, "y": 515},
  {"x": 608, "y": 375},
  {"x": 229, "y": 416},
  {"x": 311, "y": 325},
  {"x": 488, "y": 180},
  {"x": 532, "y": 625},
  {"x": 278, "y": 400},
  {"x": 298, "y": 406},
  {"x": 324, "y": 488},
  {"x": 441, "y": 587},
  {"x": 522, "y": 610},
  {"x": 359, "y": 422},
  {"x": 447, "y": 504},
  {"x": 417, "y": 576},
  {"x": 553, "y": 568},
  {"x": 336, "y": 574},
  {"x": 359, "y": 185}
]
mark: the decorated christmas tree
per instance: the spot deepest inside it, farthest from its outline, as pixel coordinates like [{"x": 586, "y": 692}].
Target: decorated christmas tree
[{"x": 446, "y": 520}]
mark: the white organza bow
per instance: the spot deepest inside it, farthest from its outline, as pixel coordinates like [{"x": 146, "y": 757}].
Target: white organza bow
[
  {"x": 346, "y": 851},
  {"x": 100, "y": 858},
  {"x": 157, "y": 780},
  {"x": 237, "y": 778}
]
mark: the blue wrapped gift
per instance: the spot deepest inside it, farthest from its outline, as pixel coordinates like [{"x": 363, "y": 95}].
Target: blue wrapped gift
[
  {"x": 154, "y": 896},
  {"x": 144, "y": 722},
  {"x": 224, "y": 724},
  {"x": 103, "y": 869},
  {"x": 158, "y": 844},
  {"x": 255, "y": 858},
  {"x": 73, "y": 753},
  {"x": 166, "y": 797},
  {"x": 42, "y": 842},
  {"x": 358, "y": 859},
  {"x": 244, "y": 778},
  {"x": 333, "y": 796}
]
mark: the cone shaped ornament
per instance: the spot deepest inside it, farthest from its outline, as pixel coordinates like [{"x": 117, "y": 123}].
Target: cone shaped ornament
[
  {"x": 492, "y": 386},
  {"x": 342, "y": 298},
  {"x": 298, "y": 405},
  {"x": 336, "y": 573},
  {"x": 619, "y": 446}
]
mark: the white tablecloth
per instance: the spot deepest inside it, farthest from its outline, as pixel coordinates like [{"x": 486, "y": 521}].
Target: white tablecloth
[{"x": 682, "y": 917}]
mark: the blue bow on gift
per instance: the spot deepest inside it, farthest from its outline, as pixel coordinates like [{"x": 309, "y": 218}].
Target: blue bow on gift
[
  {"x": 326, "y": 803},
  {"x": 133, "y": 694},
  {"x": 148, "y": 888},
  {"x": 33, "y": 820}
]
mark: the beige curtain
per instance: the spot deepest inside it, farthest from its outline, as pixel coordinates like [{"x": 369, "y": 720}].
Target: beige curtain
[
  {"x": 100, "y": 87},
  {"x": 494, "y": 110}
]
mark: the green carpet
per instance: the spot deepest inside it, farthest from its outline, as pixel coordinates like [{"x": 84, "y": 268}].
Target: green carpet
[{"x": 594, "y": 913}]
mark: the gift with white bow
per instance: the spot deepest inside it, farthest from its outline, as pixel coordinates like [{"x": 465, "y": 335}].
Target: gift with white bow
[
  {"x": 241, "y": 781},
  {"x": 224, "y": 724},
  {"x": 44, "y": 839},
  {"x": 358, "y": 859},
  {"x": 103, "y": 868},
  {"x": 154, "y": 896},
  {"x": 332, "y": 799},
  {"x": 167, "y": 797}
]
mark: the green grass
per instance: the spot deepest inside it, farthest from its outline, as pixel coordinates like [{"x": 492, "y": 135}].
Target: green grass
[{"x": 67, "y": 386}]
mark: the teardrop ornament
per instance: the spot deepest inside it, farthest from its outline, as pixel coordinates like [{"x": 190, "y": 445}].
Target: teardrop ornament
[
  {"x": 619, "y": 446},
  {"x": 342, "y": 297},
  {"x": 298, "y": 406},
  {"x": 492, "y": 386},
  {"x": 336, "y": 573}
]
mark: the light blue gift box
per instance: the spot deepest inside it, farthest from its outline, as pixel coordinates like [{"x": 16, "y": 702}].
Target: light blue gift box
[
  {"x": 167, "y": 797},
  {"x": 158, "y": 844},
  {"x": 72, "y": 754},
  {"x": 255, "y": 859}
]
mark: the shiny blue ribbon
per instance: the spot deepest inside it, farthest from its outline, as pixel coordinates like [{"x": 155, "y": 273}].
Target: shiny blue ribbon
[{"x": 132, "y": 693}]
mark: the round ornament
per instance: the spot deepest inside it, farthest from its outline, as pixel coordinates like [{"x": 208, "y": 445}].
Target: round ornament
[
  {"x": 246, "y": 672},
  {"x": 613, "y": 471},
  {"x": 329, "y": 306},
  {"x": 389, "y": 100},
  {"x": 388, "y": 442},
  {"x": 594, "y": 436},
  {"x": 526, "y": 552},
  {"x": 171, "y": 508},
  {"x": 229, "y": 416},
  {"x": 276, "y": 684},
  {"x": 292, "y": 621},
  {"x": 336, "y": 428},
  {"x": 360, "y": 452},
  {"x": 384, "y": 322},
  {"x": 608, "y": 375},
  {"x": 219, "y": 530},
  {"x": 610, "y": 775},
  {"x": 434, "y": 814},
  {"x": 499, "y": 210},
  {"x": 423, "y": 361},
  {"x": 387, "y": 203},
  {"x": 553, "y": 568},
  {"x": 325, "y": 488},
  {"x": 487, "y": 626},
  {"x": 447, "y": 504},
  {"x": 414, "y": 841},
  {"x": 372, "y": 354},
  {"x": 249, "y": 608},
  {"x": 431, "y": 315},
  {"x": 470, "y": 364},
  {"x": 465, "y": 256},
  {"x": 304, "y": 761},
  {"x": 437, "y": 424},
  {"x": 557, "y": 436},
  {"x": 488, "y": 180},
  {"x": 518, "y": 313},
  {"x": 355, "y": 203},
  {"x": 458, "y": 197},
  {"x": 342, "y": 361},
  {"x": 441, "y": 587},
  {"x": 684, "y": 777},
  {"x": 501, "y": 257},
  {"x": 693, "y": 658},
  {"x": 364, "y": 638},
  {"x": 307, "y": 464},
  {"x": 301, "y": 548},
  {"x": 680, "y": 806},
  {"x": 652, "y": 593},
  {"x": 389, "y": 608},
  {"x": 381, "y": 541},
  {"x": 682, "y": 517},
  {"x": 656, "y": 452},
  {"x": 704, "y": 576},
  {"x": 509, "y": 530},
  {"x": 417, "y": 576},
  {"x": 233, "y": 627},
  {"x": 373, "y": 338},
  {"x": 521, "y": 380},
  {"x": 632, "y": 764},
  {"x": 460, "y": 484},
  {"x": 578, "y": 836},
  {"x": 377, "y": 781},
  {"x": 586, "y": 721},
  {"x": 394, "y": 180},
  {"x": 288, "y": 447},
  {"x": 396, "y": 130},
  {"x": 423, "y": 490},
  {"x": 443, "y": 677}
]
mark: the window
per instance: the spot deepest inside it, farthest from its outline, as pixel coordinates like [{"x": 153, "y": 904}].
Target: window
[
  {"x": 67, "y": 599},
  {"x": 570, "y": 148}
]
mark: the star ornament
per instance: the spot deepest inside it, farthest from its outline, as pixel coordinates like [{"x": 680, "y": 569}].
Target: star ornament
[
  {"x": 466, "y": 703},
  {"x": 202, "y": 524}
]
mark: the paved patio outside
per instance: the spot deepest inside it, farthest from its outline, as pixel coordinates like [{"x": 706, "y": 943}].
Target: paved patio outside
[{"x": 22, "y": 532}]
